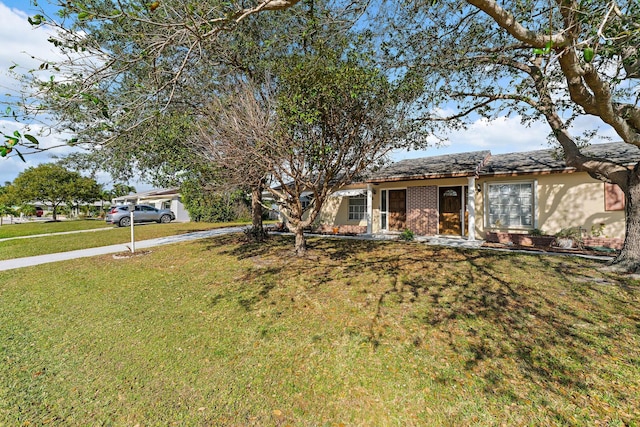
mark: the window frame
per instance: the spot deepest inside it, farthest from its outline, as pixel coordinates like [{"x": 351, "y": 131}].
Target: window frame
[
  {"x": 361, "y": 212},
  {"x": 533, "y": 206}
]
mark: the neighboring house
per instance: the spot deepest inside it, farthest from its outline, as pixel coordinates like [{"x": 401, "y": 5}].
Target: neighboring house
[
  {"x": 470, "y": 194},
  {"x": 160, "y": 198}
]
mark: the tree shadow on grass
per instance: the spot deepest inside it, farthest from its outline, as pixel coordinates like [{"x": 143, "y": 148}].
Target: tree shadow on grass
[
  {"x": 238, "y": 246},
  {"x": 549, "y": 333},
  {"x": 544, "y": 317}
]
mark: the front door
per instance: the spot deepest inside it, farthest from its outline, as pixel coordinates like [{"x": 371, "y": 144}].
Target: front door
[
  {"x": 450, "y": 210},
  {"x": 397, "y": 210}
]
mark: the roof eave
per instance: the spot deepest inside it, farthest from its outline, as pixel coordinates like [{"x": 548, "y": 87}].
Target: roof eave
[
  {"x": 421, "y": 177},
  {"x": 531, "y": 172}
]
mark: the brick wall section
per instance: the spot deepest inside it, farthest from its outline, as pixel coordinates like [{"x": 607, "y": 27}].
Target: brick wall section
[
  {"x": 422, "y": 210},
  {"x": 525, "y": 240},
  {"x": 607, "y": 242},
  {"x": 342, "y": 229}
]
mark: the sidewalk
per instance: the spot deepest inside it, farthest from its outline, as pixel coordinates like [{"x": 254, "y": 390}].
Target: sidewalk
[
  {"x": 11, "y": 264},
  {"x": 57, "y": 234},
  {"x": 143, "y": 244}
]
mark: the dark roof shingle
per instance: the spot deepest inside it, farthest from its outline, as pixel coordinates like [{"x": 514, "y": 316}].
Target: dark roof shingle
[
  {"x": 483, "y": 163},
  {"x": 461, "y": 164}
]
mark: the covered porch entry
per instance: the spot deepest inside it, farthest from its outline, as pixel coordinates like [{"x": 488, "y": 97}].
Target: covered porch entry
[{"x": 453, "y": 217}]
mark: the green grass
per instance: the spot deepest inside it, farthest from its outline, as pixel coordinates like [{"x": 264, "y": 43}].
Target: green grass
[
  {"x": 18, "y": 248},
  {"x": 42, "y": 227},
  {"x": 217, "y": 332}
]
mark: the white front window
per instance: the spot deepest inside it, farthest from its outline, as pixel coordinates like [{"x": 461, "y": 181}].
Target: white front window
[
  {"x": 510, "y": 204},
  {"x": 357, "y": 207}
]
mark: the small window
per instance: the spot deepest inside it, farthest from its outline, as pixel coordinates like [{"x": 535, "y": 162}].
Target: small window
[
  {"x": 357, "y": 207},
  {"x": 613, "y": 197},
  {"x": 305, "y": 201}
]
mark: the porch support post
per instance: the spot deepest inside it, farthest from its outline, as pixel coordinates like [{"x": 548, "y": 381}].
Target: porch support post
[
  {"x": 369, "y": 209},
  {"x": 471, "y": 208}
]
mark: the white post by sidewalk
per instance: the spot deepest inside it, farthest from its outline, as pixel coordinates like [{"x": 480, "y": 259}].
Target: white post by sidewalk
[{"x": 133, "y": 242}]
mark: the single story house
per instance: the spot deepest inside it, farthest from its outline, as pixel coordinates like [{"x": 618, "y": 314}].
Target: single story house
[
  {"x": 159, "y": 198},
  {"x": 471, "y": 194}
]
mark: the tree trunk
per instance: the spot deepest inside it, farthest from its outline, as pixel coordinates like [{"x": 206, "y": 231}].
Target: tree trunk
[
  {"x": 301, "y": 243},
  {"x": 257, "y": 228},
  {"x": 629, "y": 258}
]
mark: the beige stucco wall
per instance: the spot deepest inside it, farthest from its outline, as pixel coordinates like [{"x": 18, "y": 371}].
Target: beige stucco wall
[
  {"x": 336, "y": 210},
  {"x": 576, "y": 200},
  {"x": 563, "y": 200}
]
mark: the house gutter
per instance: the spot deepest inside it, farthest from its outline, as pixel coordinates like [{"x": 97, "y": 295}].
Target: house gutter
[
  {"x": 531, "y": 172},
  {"x": 475, "y": 174}
]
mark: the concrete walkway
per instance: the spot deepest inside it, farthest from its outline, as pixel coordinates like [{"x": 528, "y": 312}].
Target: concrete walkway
[
  {"x": 143, "y": 244},
  {"x": 11, "y": 264},
  {"x": 56, "y": 234}
]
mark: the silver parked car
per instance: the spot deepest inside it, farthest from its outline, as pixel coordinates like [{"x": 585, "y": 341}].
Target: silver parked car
[{"x": 141, "y": 213}]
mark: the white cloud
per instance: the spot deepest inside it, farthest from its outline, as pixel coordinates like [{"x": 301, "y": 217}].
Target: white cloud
[
  {"x": 53, "y": 145},
  {"x": 22, "y": 43},
  {"x": 501, "y": 135},
  {"x": 505, "y": 135}
]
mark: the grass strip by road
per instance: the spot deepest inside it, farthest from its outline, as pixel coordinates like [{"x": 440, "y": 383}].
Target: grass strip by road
[
  {"x": 19, "y": 248},
  {"x": 217, "y": 332},
  {"x": 44, "y": 227}
]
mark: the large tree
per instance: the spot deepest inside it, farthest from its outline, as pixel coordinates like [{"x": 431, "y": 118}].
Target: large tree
[
  {"x": 54, "y": 185},
  {"x": 147, "y": 74},
  {"x": 169, "y": 36},
  {"x": 7, "y": 202},
  {"x": 553, "y": 61},
  {"x": 327, "y": 116},
  {"x": 133, "y": 66}
]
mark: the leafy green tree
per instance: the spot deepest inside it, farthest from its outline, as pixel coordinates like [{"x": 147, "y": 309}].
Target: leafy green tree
[
  {"x": 551, "y": 61},
  {"x": 28, "y": 210},
  {"x": 54, "y": 185},
  {"x": 119, "y": 189},
  {"x": 172, "y": 35},
  {"x": 155, "y": 77},
  {"x": 331, "y": 116},
  {"x": 210, "y": 205},
  {"x": 87, "y": 190},
  {"x": 7, "y": 202}
]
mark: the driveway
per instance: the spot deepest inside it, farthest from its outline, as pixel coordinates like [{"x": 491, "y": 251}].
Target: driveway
[{"x": 11, "y": 264}]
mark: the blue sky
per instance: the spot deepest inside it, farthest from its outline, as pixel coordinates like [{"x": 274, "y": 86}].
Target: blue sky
[{"x": 20, "y": 41}]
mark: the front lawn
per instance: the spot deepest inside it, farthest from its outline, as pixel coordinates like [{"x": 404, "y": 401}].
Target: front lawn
[
  {"x": 216, "y": 332},
  {"x": 18, "y": 248},
  {"x": 44, "y": 227}
]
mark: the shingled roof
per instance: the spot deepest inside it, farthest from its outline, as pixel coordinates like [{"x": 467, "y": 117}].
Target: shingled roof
[
  {"x": 451, "y": 165},
  {"x": 483, "y": 163},
  {"x": 550, "y": 160}
]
